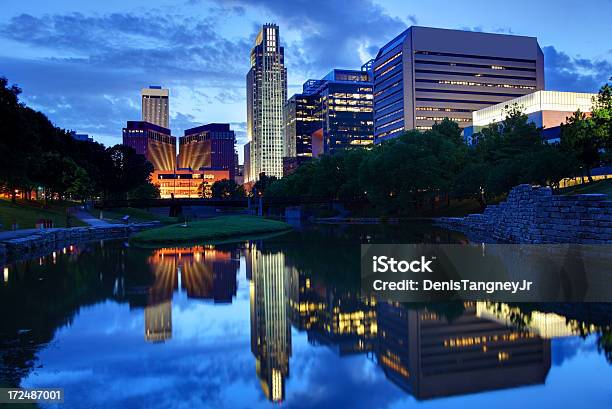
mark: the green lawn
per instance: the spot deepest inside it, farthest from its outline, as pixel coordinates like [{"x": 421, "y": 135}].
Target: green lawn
[
  {"x": 218, "y": 228},
  {"x": 26, "y": 214},
  {"x": 136, "y": 215},
  {"x": 600, "y": 186}
]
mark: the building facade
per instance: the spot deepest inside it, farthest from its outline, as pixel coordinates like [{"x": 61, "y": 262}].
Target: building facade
[
  {"x": 83, "y": 137},
  {"x": 546, "y": 109},
  {"x": 208, "y": 147},
  {"x": 301, "y": 120},
  {"x": 266, "y": 95},
  {"x": 187, "y": 183},
  {"x": 152, "y": 141},
  {"x": 330, "y": 114},
  {"x": 346, "y": 110},
  {"x": 156, "y": 105},
  {"x": 427, "y": 74}
]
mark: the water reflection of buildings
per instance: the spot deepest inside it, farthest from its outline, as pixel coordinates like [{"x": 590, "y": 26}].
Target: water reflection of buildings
[
  {"x": 203, "y": 272},
  {"x": 270, "y": 329},
  {"x": 429, "y": 351},
  {"x": 544, "y": 324},
  {"x": 158, "y": 322},
  {"x": 430, "y": 356}
]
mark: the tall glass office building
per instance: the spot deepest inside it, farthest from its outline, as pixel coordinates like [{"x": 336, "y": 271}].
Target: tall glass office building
[
  {"x": 426, "y": 74},
  {"x": 329, "y": 115},
  {"x": 346, "y": 110},
  {"x": 266, "y": 95}
]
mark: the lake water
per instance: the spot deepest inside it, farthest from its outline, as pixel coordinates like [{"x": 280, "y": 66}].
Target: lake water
[{"x": 280, "y": 321}]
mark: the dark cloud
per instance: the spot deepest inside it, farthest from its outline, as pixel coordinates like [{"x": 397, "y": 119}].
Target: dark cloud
[
  {"x": 332, "y": 32},
  {"x": 163, "y": 46},
  {"x": 230, "y": 96},
  {"x": 183, "y": 121},
  {"x": 565, "y": 73},
  {"x": 100, "y": 63}
]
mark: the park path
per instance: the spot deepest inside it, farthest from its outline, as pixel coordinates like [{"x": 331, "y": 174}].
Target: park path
[
  {"x": 80, "y": 214},
  {"x": 88, "y": 218}
]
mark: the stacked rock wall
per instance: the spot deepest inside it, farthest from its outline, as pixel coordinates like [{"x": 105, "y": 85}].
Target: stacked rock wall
[{"x": 535, "y": 215}]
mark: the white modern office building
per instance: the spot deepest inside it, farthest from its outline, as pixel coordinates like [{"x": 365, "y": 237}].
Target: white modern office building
[
  {"x": 266, "y": 96},
  {"x": 544, "y": 108}
]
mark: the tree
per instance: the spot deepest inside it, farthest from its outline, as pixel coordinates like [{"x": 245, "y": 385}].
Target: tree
[
  {"x": 145, "y": 190},
  {"x": 507, "y": 154},
  {"x": 262, "y": 184},
  {"x": 81, "y": 186},
  {"x": 602, "y": 118},
  {"x": 580, "y": 140},
  {"x": 128, "y": 170},
  {"x": 13, "y": 139},
  {"x": 227, "y": 189}
]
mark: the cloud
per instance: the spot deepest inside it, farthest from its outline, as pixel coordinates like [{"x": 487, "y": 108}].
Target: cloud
[
  {"x": 98, "y": 63},
  {"x": 332, "y": 34},
  {"x": 565, "y": 73}
]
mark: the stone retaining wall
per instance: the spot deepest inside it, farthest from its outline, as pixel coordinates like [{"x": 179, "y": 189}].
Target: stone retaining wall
[
  {"x": 535, "y": 215},
  {"x": 47, "y": 240}
]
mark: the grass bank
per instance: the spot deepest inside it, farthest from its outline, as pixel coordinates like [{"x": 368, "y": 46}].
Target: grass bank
[
  {"x": 214, "y": 229},
  {"x": 27, "y": 213},
  {"x": 136, "y": 215}
]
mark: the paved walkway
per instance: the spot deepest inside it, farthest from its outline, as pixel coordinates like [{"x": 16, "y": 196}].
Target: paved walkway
[
  {"x": 88, "y": 218},
  {"x": 80, "y": 214}
]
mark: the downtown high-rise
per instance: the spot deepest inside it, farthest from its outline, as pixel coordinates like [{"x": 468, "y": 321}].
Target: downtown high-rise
[
  {"x": 427, "y": 74},
  {"x": 266, "y": 96},
  {"x": 156, "y": 106}
]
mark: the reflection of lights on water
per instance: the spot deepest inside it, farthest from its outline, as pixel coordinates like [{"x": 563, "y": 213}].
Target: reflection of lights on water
[
  {"x": 71, "y": 247},
  {"x": 40, "y": 261},
  {"x": 64, "y": 250},
  {"x": 6, "y": 271}
]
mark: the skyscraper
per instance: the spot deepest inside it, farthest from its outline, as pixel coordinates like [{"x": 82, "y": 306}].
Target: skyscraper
[
  {"x": 301, "y": 120},
  {"x": 270, "y": 327},
  {"x": 266, "y": 95},
  {"x": 208, "y": 147},
  {"x": 330, "y": 114},
  {"x": 155, "y": 105},
  {"x": 426, "y": 74},
  {"x": 346, "y": 109},
  {"x": 152, "y": 141}
]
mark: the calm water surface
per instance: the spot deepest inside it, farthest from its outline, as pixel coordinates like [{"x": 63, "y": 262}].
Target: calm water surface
[{"x": 280, "y": 322}]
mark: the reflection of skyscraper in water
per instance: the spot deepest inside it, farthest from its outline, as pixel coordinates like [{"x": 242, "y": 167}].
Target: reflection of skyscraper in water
[
  {"x": 158, "y": 322},
  {"x": 349, "y": 322},
  {"x": 202, "y": 271},
  {"x": 430, "y": 356},
  {"x": 305, "y": 304},
  {"x": 270, "y": 329},
  {"x": 340, "y": 319}
]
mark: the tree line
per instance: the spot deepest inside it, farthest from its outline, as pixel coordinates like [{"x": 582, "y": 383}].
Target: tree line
[
  {"x": 420, "y": 168},
  {"x": 42, "y": 158}
]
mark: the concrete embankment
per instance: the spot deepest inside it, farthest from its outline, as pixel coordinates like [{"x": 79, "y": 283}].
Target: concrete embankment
[
  {"x": 18, "y": 246},
  {"x": 535, "y": 215}
]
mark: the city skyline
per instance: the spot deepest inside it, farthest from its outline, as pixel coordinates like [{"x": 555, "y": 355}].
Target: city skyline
[{"x": 46, "y": 40}]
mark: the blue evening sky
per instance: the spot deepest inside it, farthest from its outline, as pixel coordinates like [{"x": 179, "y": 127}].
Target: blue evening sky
[{"x": 83, "y": 62}]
